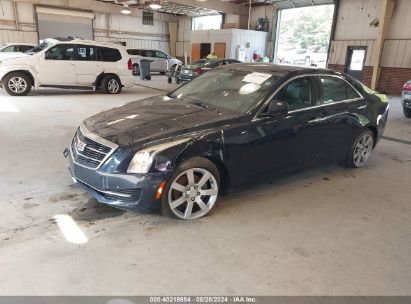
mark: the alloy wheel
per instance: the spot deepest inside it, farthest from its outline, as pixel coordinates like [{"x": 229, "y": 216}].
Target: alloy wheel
[
  {"x": 113, "y": 86},
  {"x": 17, "y": 84},
  {"x": 193, "y": 193},
  {"x": 362, "y": 150}
]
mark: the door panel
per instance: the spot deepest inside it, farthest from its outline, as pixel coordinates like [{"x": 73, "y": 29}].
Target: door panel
[
  {"x": 87, "y": 66},
  {"x": 219, "y": 48},
  {"x": 57, "y": 66},
  {"x": 195, "y": 51}
]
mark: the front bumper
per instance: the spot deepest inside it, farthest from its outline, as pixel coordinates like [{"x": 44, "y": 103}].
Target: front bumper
[{"x": 135, "y": 192}]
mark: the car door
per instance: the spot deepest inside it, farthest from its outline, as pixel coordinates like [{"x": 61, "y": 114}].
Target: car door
[
  {"x": 162, "y": 59},
  {"x": 57, "y": 67},
  {"x": 87, "y": 66},
  {"x": 343, "y": 107},
  {"x": 282, "y": 143}
]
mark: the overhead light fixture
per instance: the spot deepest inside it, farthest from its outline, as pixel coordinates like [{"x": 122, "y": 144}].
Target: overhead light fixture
[
  {"x": 125, "y": 10},
  {"x": 155, "y": 6}
]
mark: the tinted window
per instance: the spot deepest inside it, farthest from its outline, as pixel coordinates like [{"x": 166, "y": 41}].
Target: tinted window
[
  {"x": 134, "y": 52},
  {"x": 161, "y": 55},
  {"x": 109, "y": 54},
  {"x": 61, "y": 52},
  {"x": 86, "y": 53},
  {"x": 297, "y": 93},
  {"x": 148, "y": 53},
  {"x": 24, "y": 48},
  {"x": 335, "y": 89}
]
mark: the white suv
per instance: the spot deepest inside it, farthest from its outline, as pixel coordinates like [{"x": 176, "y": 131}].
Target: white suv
[{"x": 68, "y": 64}]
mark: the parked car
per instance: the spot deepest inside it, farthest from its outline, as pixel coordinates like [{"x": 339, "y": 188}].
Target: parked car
[
  {"x": 10, "y": 50},
  {"x": 16, "y": 47},
  {"x": 230, "y": 127},
  {"x": 296, "y": 56},
  {"x": 406, "y": 99},
  {"x": 190, "y": 71},
  {"x": 69, "y": 64},
  {"x": 318, "y": 57},
  {"x": 161, "y": 60}
]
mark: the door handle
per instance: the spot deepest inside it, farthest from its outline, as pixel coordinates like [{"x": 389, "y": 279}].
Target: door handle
[{"x": 361, "y": 107}]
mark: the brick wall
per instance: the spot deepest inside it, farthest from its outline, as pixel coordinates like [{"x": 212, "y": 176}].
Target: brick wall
[
  {"x": 367, "y": 72},
  {"x": 391, "y": 79}
]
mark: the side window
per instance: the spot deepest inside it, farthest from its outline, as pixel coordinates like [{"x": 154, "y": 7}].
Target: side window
[
  {"x": 133, "y": 52},
  {"x": 149, "y": 54},
  {"x": 335, "y": 89},
  {"x": 86, "y": 53},
  {"x": 297, "y": 93},
  {"x": 61, "y": 52},
  {"x": 161, "y": 55},
  {"x": 10, "y": 48},
  {"x": 110, "y": 55},
  {"x": 24, "y": 48}
]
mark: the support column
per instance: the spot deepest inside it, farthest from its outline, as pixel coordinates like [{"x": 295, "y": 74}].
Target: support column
[{"x": 386, "y": 10}]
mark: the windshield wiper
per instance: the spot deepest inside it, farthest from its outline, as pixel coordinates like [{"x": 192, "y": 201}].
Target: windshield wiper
[{"x": 206, "y": 106}]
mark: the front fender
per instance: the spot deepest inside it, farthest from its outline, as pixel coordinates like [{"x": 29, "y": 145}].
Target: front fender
[{"x": 4, "y": 70}]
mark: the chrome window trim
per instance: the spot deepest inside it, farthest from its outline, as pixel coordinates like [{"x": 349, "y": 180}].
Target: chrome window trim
[
  {"x": 96, "y": 138},
  {"x": 258, "y": 117}
]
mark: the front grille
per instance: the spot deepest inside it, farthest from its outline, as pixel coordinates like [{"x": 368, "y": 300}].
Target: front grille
[{"x": 93, "y": 153}]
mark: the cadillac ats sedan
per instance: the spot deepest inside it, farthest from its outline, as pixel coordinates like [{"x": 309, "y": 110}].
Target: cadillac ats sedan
[{"x": 230, "y": 127}]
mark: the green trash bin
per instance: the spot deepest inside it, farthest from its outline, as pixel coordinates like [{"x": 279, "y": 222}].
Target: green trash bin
[{"x": 144, "y": 66}]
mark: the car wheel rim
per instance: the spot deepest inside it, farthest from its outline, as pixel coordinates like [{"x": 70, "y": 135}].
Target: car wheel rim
[
  {"x": 193, "y": 193},
  {"x": 17, "y": 85},
  {"x": 362, "y": 150},
  {"x": 113, "y": 86}
]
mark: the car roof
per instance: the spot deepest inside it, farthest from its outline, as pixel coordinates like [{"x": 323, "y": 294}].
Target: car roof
[
  {"x": 278, "y": 69},
  {"x": 91, "y": 42}
]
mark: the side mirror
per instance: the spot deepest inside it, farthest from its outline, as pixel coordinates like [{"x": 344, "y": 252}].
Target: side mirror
[{"x": 277, "y": 108}]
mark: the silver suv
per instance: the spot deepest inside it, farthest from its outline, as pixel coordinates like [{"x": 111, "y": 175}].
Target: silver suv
[{"x": 161, "y": 60}]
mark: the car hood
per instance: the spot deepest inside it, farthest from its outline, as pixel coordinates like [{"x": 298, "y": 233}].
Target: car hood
[
  {"x": 9, "y": 55},
  {"x": 152, "y": 119}
]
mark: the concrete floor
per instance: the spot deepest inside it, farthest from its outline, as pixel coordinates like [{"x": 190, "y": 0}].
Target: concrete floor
[{"x": 327, "y": 231}]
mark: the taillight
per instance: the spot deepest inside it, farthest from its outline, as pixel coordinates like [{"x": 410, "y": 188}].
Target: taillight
[
  {"x": 199, "y": 70},
  {"x": 130, "y": 64},
  {"x": 407, "y": 87}
]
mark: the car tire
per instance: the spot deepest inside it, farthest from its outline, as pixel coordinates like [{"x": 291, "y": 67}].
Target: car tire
[
  {"x": 111, "y": 84},
  {"x": 407, "y": 112},
  {"x": 136, "y": 70},
  {"x": 184, "y": 197},
  {"x": 178, "y": 81},
  {"x": 360, "y": 151},
  {"x": 17, "y": 84}
]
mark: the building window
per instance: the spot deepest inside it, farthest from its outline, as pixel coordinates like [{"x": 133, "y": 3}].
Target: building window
[
  {"x": 213, "y": 22},
  {"x": 148, "y": 18}
]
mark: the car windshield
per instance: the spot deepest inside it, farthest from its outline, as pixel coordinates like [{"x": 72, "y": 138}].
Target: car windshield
[
  {"x": 39, "y": 47},
  {"x": 227, "y": 89}
]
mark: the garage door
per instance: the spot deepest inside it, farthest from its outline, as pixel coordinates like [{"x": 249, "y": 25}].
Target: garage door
[{"x": 64, "y": 23}]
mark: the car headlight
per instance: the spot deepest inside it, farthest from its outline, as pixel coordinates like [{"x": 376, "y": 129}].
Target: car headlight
[{"x": 143, "y": 159}]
